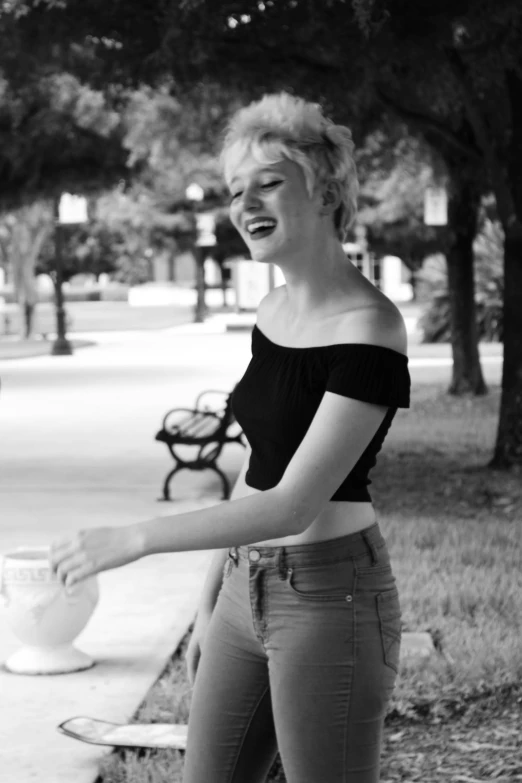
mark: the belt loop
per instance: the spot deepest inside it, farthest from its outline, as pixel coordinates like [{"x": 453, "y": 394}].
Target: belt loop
[{"x": 371, "y": 547}]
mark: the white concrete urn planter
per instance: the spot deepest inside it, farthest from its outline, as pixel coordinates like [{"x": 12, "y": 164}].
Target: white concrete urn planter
[{"x": 44, "y": 615}]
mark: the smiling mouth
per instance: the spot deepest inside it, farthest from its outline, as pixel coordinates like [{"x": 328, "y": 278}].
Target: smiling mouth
[{"x": 260, "y": 228}]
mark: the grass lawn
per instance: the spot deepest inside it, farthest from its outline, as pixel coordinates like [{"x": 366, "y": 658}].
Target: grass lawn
[{"x": 453, "y": 528}]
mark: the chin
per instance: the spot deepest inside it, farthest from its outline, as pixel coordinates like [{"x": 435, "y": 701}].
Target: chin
[{"x": 263, "y": 256}]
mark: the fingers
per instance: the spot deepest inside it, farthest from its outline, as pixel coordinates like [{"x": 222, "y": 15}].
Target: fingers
[
  {"x": 77, "y": 575},
  {"x": 69, "y": 562},
  {"x": 60, "y": 551},
  {"x": 70, "y": 570}
]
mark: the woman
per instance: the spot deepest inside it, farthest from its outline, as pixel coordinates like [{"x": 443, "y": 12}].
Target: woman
[{"x": 296, "y": 641}]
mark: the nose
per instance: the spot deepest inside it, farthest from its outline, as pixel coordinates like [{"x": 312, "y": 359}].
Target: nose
[{"x": 251, "y": 199}]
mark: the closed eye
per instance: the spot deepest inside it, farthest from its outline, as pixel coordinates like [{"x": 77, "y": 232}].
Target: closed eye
[
  {"x": 272, "y": 184},
  {"x": 264, "y": 186}
]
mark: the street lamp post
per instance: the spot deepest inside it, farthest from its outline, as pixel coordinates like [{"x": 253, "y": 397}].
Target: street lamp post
[
  {"x": 201, "y": 306},
  {"x": 205, "y": 242},
  {"x": 68, "y": 210}
]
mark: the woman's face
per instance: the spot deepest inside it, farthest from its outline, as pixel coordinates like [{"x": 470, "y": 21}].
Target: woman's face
[{"x": 271, "y": 207}]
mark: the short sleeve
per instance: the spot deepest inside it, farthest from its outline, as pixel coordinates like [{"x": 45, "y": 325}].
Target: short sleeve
[{"x": 370, "y": 373}]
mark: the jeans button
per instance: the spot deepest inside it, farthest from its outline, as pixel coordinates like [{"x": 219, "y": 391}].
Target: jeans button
[{"x": 254, "y": 555}]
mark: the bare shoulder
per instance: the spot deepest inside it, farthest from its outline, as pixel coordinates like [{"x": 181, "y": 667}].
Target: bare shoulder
[{"x": 377, "y": 323}]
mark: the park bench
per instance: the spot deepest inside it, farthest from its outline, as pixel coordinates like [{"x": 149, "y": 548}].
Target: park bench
[{"x": 205, "y": 429}]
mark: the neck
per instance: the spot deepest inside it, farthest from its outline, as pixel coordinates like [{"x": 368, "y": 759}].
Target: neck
[{"x": 317, "y": 280}]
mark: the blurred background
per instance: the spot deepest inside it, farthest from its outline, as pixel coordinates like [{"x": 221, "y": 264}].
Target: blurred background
[{"x": 124, "y": 290}]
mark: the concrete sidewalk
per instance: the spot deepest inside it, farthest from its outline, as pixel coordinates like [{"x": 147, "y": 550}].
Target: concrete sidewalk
[
  {"x": 77, "y": 450},
  {"x": 143, "y": 613}
]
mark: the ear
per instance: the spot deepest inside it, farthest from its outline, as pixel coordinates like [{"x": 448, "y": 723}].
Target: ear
[{"x": 331, "y": 197}]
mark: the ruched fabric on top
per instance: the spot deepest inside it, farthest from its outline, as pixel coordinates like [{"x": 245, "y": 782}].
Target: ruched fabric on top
[{"x": 277, "y": 398}]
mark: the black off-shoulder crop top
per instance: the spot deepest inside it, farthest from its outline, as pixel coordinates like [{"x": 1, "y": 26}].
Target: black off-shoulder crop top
[{"x": 280, "y": 392}]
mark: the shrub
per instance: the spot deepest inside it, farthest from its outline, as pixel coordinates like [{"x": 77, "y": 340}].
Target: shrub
[{"x": 489, "y": 286}]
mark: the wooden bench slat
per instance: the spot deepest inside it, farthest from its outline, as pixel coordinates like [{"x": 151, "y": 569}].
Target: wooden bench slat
[
  {"x": 202, "y": 426},
  {"x": 196, "y": 427}
]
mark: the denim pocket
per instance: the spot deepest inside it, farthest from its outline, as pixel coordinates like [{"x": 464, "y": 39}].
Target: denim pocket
[
  {"x": 325, "y": 582},
  {"x": 376, "y": 565},
  {"x": 389, "y": 612},
  {"x": 375, "y": 579}
]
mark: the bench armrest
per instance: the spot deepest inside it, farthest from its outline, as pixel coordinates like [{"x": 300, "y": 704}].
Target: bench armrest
[{"x": 200, "y": 396}]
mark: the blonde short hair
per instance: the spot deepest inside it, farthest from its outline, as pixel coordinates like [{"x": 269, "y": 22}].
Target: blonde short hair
[{"x": 282, "y": 125}]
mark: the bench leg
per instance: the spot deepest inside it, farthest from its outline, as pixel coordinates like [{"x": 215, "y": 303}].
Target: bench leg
[
  {"x": 166, "y": 490},
  {"x": 224, "y": 481}
]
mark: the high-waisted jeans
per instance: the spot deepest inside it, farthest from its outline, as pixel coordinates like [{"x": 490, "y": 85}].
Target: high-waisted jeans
[{"x": 300, "y": 657}]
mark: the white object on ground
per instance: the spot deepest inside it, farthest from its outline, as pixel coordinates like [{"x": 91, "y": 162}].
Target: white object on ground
[
  {"x": 44, "y": 615},
  {"x": 416, "y": 644},
  {"x": 127, "y": 735}
]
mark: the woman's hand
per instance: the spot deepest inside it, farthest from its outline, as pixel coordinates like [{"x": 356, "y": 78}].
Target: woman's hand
[{"x": 95, "y": 550}]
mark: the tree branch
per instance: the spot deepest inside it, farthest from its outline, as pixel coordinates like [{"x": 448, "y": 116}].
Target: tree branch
[
  {"x": 503, "y": 196},
  {"x": 493, "y": 43},
  {"x": 426, "y": 122},
  {"x": 249, "y": 52},
  {"x": 310, "y": 62}
]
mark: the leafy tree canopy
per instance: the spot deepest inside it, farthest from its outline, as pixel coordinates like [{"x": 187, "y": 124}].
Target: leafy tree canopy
[
  {"x": 395, "y": 169},
  {"x": 56, "y": 135}
]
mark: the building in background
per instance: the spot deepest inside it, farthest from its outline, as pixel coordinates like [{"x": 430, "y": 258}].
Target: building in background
[
  {"x": 251, "y": 281},
  {"x": 389, "y": 273}
]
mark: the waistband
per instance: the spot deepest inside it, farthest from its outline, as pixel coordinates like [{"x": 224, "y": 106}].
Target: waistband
[{"x": 370, "y": 540}]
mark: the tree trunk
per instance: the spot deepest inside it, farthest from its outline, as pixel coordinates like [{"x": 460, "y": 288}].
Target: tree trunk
[
  {"x": 414, "y": 281},
  {"x": 28, "y": 315},
  {"x": 464, "y": 204},
  {"x": 508, "y": 448},
  {"x": 27, "y": 238}
]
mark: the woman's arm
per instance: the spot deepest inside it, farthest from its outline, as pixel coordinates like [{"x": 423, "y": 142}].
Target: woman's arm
[
  {"x": 340, "y": 431},
  {"x": 214, "y": 578},
  {"x": 268, "y": 514},
  {"x": 244, "y": 520}
]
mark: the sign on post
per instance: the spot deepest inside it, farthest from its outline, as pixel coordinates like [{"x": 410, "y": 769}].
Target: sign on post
[
  {"x": 72, "y": 209},
  {"x": 436, "y": 206},
  {"x": 206, "y": 226}
]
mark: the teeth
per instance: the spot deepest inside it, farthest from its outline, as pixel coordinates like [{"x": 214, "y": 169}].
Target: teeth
[{"x": 260, "y": 224}]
